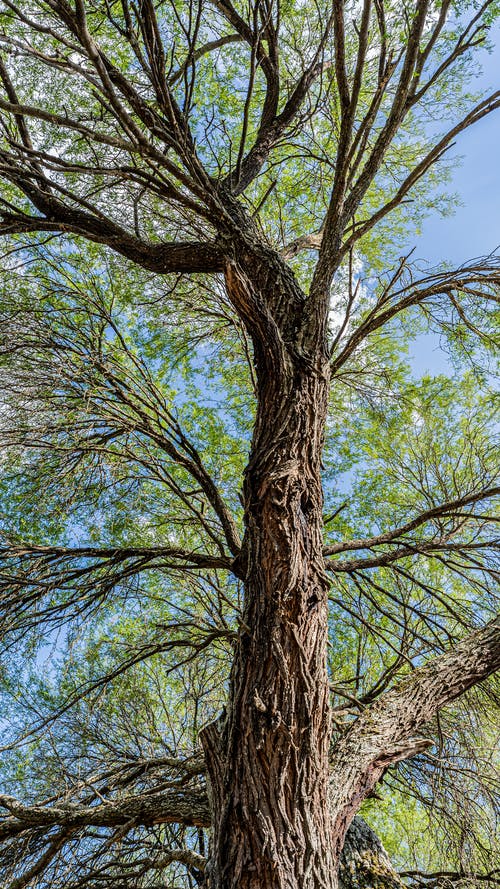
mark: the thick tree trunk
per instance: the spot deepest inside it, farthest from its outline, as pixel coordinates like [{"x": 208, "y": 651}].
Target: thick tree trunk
[
  {"x": 277, "y": 821},
  {"x": 268, "y": 766}
]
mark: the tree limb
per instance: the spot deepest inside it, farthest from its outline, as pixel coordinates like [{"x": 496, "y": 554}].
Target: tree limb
[
  {"x": 183, "y": 806},
  {"x": 167, "y": 258},
  {"x": 404, "y": 552},
  {"x": 385, "y": 732},
  {"x": 449, "y": 508}
]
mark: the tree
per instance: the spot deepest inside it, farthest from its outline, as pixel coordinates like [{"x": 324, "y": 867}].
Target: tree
[{"x": 248, "y": 157}]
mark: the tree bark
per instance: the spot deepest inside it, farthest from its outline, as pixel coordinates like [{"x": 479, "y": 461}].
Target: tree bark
[
  {"x": 277, "y": 820},
  {"x": 269, "y": 764},
  {"x": 385, "y": 732},
  {"x": 364, "y": 863}
]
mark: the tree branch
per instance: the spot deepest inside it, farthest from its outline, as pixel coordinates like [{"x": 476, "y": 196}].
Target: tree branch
[
  {"x": 384, "y": 733},
  {"x": 185, "y": 805},
  {"x": 273, "y": 125},
  {"x": 425, "y": 548},
  {"x": 480, "y": 279},
  {"x": 179, "y": 257},
  {"x": 449, "y": 508}
]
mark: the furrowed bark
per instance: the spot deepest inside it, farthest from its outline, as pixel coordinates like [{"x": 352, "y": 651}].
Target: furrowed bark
[
  {"x": 269, "y": 763},
  {"x": 280, "y": 809},
  {"x": 364, "y": 862}
]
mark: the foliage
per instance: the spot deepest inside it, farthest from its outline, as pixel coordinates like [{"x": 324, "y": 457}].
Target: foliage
[{"x": 128, "y": 396}]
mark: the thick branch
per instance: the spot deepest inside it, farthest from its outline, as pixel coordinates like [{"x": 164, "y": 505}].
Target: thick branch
[
  {"x": 182, "y": 805},
  {"x": 146, "y": 554},
  {"x": 180, "y": 257},
  {"x": 384, "y": 733},
  {"x": 364, "y": 861}
]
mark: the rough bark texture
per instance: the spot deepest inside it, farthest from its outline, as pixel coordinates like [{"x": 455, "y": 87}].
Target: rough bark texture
[
  {"x": 364, "y": 863},
  {"x": 269, "y": 765},
  {"x": 277, "y": 821},
  {"x": 181, "y": 806}
]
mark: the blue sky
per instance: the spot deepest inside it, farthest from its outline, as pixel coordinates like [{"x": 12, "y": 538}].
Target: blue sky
[{"x": 474, "y": 230}]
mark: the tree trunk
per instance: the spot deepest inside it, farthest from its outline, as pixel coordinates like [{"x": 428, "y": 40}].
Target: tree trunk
[
  {"x": 268, "y": 765},
  {"x": 277, "y": 821},
  {"x": 364, "y": 863}
]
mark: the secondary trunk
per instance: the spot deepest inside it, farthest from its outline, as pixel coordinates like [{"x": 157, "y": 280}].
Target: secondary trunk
[
  {"x": 364, "y": 863},
  {"x": 268, "y": 764}
]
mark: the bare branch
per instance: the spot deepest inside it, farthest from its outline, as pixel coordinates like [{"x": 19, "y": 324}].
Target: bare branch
[
  {"x": 183, "y": 806},
  {"x": 480, "y": 280},
  {"x": 442, "y": 510},
  {"x": 419, "y": 548}
]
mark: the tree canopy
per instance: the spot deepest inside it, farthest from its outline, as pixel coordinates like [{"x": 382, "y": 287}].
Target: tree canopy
[{"x": 199, "y": 203}]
